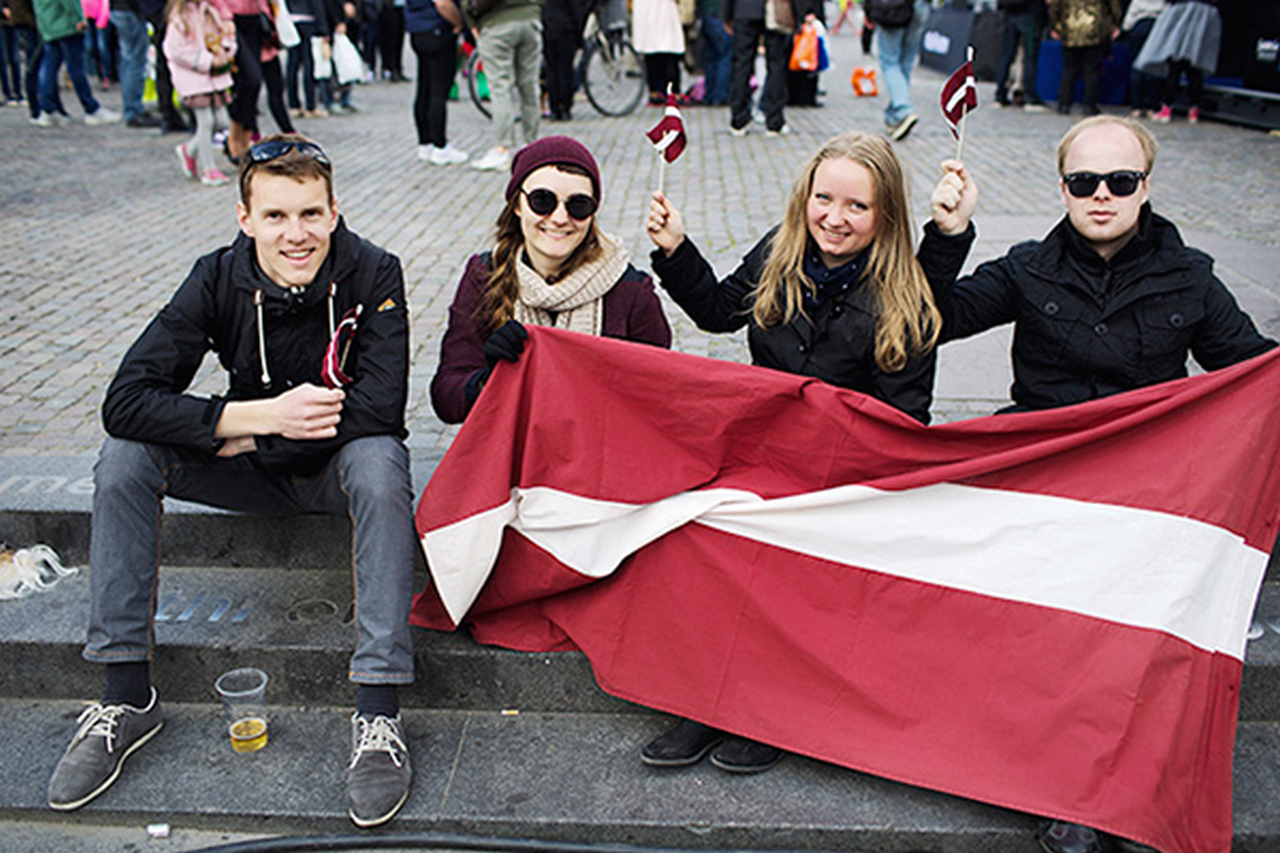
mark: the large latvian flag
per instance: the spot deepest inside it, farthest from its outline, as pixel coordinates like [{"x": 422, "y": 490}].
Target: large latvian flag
[{"x": 1046, "y": 611}]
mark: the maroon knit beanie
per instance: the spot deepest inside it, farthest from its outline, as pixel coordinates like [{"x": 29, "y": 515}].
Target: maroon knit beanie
[{"x": 552, "y": 151}]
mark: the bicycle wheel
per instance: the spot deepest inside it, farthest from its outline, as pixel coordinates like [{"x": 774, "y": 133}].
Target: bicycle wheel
[
  {"x": 478, "y": 84},
  {"x": 613, "y": 76}
]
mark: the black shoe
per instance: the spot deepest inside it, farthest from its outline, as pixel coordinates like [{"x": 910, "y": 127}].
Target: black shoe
[
  {"x": 1064, "y": 109},
  {"x": 144, "y": 120},
  {"x": 108, "y": 734},
  {"x": 1060, "y": 836},
  {"x": 740, "y": 755},
  {"x": 682, "y": 745}
]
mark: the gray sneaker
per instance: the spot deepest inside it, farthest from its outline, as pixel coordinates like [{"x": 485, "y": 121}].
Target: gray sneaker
[
  {"x": 379, "y": 774},
  {"x": 108, "y": 734}
]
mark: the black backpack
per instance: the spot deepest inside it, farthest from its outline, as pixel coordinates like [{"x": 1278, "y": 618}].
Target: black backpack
[{"x": 889, "y": 13}]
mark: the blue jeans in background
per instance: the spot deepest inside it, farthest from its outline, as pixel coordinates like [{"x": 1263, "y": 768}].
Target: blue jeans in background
[
  {"x": 70, "y": 49},
  {"x": 717, "y": 59},
  {"x": 97, "y": 53},
  {"x": 367, "y": 481},
  {"x": 131, "y": 31},
  {"x": 899, "y": 47}
]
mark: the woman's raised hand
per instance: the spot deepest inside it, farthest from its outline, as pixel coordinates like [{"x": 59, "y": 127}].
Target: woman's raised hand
[
  {"x": 954, "y": 199},
  {"x": 665, "y": 225}
]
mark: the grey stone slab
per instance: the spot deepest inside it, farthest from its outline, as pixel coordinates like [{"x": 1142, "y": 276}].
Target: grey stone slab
[
  {"x": 574, "y": 778},
  {"x": 296, "y": 625},
  {"x": 569, "y": 777}
]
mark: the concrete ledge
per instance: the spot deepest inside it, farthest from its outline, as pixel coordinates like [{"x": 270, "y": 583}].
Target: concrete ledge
[{"x": 566, "y": 777}]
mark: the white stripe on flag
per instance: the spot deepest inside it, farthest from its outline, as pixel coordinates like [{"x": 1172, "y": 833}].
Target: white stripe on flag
[
  {"x": 1134, "y": 567},
  {"x": 957, "y": 97}
]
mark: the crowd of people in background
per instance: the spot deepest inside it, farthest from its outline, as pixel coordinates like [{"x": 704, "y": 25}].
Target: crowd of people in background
[{"x": 715, "y": 52}]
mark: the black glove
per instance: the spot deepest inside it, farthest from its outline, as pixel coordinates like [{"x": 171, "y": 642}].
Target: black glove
[{"x": 506, "y": 343}]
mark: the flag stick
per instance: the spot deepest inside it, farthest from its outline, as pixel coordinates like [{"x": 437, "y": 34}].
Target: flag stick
[
  {"x": 964, "y": 113},
  {"x": 662, "y": 157}
]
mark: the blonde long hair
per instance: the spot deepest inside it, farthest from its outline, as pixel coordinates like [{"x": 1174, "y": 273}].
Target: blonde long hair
[
  {"x": 908, "y": 322},
  {"x": 502, "y": 290}
]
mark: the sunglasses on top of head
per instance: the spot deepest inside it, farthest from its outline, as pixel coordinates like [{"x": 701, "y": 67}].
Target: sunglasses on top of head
[
  {"x": 269, "y": 150},
  {"x": 1123, "y": 182},
  {"x": 543, "y": 202}
]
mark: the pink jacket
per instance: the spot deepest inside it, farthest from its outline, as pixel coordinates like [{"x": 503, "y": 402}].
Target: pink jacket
[
  {"x": 98, "y": 11},
  {"x": 186, "y": 46}
]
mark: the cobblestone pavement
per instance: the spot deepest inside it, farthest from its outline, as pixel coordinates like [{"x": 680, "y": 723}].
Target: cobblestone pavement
[{"x": 100, "y": 227}]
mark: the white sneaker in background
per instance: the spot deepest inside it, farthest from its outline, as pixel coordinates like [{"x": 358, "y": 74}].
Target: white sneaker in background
[
  {"x": 494, "y": 160},
  {"x": 447, "y": 156},
  {"x": 102, "y": 116}
]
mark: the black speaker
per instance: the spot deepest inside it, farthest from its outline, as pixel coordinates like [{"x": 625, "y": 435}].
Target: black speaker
[{"x": 1262, "y": 58}]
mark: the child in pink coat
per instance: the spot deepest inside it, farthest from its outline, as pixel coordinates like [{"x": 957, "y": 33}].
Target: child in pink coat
[{"x": 200, "y": 44}]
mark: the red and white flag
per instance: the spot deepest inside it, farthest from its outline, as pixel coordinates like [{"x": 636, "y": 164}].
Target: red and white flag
[
  {"x": 959, "y": 97},
  {"x": 333, "y": 369},
  {"x": 668, "y": 134},
  {"x": 1046, "y": 611}
]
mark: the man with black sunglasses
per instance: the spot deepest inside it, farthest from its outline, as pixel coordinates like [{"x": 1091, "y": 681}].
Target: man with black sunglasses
[
  {"x": 1110, "y": 300},
  {"x": 310, "y": 323}
]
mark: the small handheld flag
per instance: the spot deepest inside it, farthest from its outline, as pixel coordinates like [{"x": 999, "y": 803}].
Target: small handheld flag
[
  {"x": 959, "y": 98},
  {"x": 335, "y": 355},
  {"x": 668, "y": 135}
]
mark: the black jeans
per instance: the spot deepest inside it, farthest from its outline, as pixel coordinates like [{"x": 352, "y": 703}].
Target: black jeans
[
  {"x": 1077, "y": 60},
  {"x": 391, "y": 39},
  {"x": 273, "y": 76},
  {"x": 437, "y": 52},
  {"x": 248, "y": 71},
  {"x": 559, "y": 49},
  {"x": 660, "y": 71},
  {"x": 301, "y": 62},
  {"x": 777, "y": 52}
]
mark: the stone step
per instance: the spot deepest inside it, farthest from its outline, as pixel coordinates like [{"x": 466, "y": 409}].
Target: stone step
[
  {"x": 565, "y": 776},
  {"x": 296, "y": 625}
]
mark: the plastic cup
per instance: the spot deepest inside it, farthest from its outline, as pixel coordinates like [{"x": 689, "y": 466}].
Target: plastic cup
[{"x": 244, "y": 706}]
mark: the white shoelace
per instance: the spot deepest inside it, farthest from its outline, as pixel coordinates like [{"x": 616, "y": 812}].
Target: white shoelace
[
  {"x": 379, "y": 735},
  {"x": 98, "y": 721}
]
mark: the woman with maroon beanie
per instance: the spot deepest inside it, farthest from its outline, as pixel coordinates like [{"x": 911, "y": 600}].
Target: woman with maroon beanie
[{"x": 550, "y": 265}]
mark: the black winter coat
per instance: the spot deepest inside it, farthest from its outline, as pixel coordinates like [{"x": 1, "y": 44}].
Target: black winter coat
[
  {"x": 213, "y": 310},
  {"x": 834, "y": 343},
  {"x": 1086, "y": 328}
]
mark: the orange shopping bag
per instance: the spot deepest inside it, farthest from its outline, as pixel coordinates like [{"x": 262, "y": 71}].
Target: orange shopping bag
[
  {"x": 864, "y": 82},
  {"x": 804, "y": 52}
]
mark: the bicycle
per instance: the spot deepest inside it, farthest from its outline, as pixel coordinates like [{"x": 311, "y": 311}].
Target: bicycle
[{"x": 609, "y": 70}]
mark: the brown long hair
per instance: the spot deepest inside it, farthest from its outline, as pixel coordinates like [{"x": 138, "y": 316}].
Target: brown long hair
[
  {"x": 502, "y": 289},
  {"x": 908, "y": 322}
]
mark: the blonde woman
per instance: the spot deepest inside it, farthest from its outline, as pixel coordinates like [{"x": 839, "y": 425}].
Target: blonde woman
[{"x": 835, "y": 292}]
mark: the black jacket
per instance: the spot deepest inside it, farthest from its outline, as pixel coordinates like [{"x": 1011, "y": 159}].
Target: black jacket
[
  {"x": 834, "y": 343},
  {"x": 748, "y": 10},
  {"x": 1086, "y": 328},
  {"x": 214, "y": 311}
]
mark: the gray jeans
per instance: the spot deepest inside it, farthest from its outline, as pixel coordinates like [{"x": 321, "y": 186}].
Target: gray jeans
[
  {"x": 367, "y": 480},
  {"x": 512, "y": 54}
]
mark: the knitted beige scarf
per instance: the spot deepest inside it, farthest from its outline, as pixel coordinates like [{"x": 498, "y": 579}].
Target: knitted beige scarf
[{"x": 575, "y": 302}]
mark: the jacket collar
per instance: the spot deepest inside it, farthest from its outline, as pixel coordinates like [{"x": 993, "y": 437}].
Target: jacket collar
[{"x": 1156, "y": 249}]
